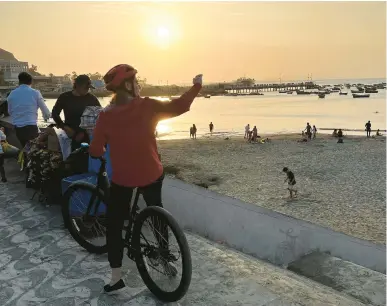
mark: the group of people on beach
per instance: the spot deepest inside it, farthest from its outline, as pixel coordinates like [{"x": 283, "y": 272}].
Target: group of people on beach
[
  {"x": 251, "y": 135},
  {"x": 308, "y": 133},
  {"x": 193, "y": 130},
  {"x": 369, "y": 130},
  {"x": 339, "y": 133}
]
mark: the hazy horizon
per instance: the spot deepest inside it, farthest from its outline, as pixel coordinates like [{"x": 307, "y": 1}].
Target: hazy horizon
[{"x": 224, "y": 41}]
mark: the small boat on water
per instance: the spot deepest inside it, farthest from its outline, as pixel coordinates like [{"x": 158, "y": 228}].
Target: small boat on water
[
  {"x": 343, "y": 93},
  {"x": 360, "y": 95},
  {"x": 283, "y": 91},
  {"x": 302, "y": 92},
  {"x": 290, "y": 92},
  {"x": 371, "y": 90},
  {"x": 321, "y": 95},
  {"x": 355, "y": 91},
  {"x": 207, "y": 96}
]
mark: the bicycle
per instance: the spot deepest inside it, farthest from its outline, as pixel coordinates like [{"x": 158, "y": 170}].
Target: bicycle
[{"x": 83, "y": 225}]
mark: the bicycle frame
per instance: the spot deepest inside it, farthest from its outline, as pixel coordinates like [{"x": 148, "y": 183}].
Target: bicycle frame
[{"x": 103, "y": 184}]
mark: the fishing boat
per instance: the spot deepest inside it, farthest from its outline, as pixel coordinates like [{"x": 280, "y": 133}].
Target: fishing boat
[
  {"x": 207, "y": 96},
  {"x": 290, "y": 92},
  {"x": 360, "y": 95},
  {"x": 302, "y": 92},
  {"x": 371, "y": 90},
  {"x": 321, "y": 95},
  {"x": 343, "y": 93},
  {"x": 283, "y": 91}
]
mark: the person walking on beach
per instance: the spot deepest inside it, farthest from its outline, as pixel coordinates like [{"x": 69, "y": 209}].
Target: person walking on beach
[
  {"x": 194, "y": 130},
  {"x": 255, "y": 134},
  {"x": 291, "y": 180},
  {"x": 211, "y": 127},
  {"x": 340, "y": 136},
  {"x": 191, "y": 132},
  {"x": 308, "y": 130},
  {"x": 23, "y": 105},
  {"x": 129, "y": 122},
  {"x": 247, "y": 131},
  {"x": 368, "y": 128},
  {"x": 314, "y": 131}
]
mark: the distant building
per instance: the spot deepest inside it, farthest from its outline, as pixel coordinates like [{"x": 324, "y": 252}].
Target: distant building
[{"x": 11, "y": 69}]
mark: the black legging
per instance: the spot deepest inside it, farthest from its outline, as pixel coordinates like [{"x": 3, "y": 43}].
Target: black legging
[
  {"x": 117, "y": 211},
  {"x": 26, "y": 133}
]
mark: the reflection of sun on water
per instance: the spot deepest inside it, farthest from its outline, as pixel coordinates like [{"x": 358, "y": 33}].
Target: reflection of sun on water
[{"x": 163, "y": 128}]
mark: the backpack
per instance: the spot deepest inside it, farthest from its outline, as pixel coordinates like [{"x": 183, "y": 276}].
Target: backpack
[{"x": 89, "y": 118}]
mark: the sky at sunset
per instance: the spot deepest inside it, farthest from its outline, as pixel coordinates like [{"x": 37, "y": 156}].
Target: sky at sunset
[{"x": 175, "y": 41}]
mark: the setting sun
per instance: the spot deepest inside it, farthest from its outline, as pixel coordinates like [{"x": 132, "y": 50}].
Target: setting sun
[{"x": 163, "y": 32}]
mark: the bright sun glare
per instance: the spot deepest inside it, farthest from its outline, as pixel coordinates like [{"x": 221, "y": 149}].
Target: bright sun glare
[{"x": 163, "y": 32}]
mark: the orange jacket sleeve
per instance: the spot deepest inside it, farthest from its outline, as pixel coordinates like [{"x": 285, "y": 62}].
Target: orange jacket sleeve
[{"x": 174, "y": 108}]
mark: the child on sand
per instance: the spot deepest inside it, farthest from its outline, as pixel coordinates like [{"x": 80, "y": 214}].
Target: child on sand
[{"x": 291, "y": 182}]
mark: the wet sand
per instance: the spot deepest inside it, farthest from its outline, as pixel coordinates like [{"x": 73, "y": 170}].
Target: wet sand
[{"x": 341, "y": 186}]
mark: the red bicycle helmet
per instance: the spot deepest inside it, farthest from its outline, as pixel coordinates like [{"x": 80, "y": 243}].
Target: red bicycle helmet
[{"x": 117, "y": 75}]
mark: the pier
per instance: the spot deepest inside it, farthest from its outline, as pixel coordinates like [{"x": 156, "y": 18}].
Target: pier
[{"x": 246, "y": 89}]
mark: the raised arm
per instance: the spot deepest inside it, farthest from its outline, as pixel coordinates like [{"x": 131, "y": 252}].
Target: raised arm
[
  {"x": 164, "y": 110},
  {"x": 56, "y": 110},
  {"x": 97, "y": 146},
  {"x": 42, "y": 105}
]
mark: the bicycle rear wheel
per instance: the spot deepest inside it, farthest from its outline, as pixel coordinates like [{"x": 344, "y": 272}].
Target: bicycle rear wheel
[
  {"x": 162, "y": 251},
  {"x": 89, "y": 230}
]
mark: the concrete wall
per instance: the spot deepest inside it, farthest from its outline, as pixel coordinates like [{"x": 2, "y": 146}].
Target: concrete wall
[{"x": 260, "y": 232}]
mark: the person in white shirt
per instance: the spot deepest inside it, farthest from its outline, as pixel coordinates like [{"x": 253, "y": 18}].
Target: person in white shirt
[
  {"x": 23, "y": 105},
  {"x": 247, "y": 131},
  {"x": 6, "y": 150}
]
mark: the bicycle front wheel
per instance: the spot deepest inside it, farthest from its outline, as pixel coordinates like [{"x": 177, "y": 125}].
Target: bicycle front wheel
[
  {"x": 84, "y": 215},
  {"x": 163, "y": 257}
]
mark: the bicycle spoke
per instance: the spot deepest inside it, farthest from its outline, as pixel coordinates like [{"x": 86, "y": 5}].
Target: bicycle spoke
[
  {"x": 157, "y": 253},
  {"x": 89, "y": 226}
]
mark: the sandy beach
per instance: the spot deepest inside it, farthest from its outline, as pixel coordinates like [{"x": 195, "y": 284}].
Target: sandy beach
[{"x": 341, "y": 186}]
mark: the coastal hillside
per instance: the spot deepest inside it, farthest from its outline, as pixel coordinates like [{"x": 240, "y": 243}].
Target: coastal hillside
[{"x": 5, "y": 55}]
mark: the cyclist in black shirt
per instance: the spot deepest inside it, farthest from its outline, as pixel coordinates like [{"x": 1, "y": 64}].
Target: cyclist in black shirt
[{"x": 291, "y": 182}]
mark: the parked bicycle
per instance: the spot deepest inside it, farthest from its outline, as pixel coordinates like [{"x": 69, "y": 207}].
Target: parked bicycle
[{"x": 84, "y": 215}]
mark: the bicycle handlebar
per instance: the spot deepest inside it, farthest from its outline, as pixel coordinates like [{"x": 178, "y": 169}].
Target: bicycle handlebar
[{"x": 85, "y": 149}]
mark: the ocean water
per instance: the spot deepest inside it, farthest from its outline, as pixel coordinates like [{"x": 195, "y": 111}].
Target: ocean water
[{"x": 275, "y": 113}]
